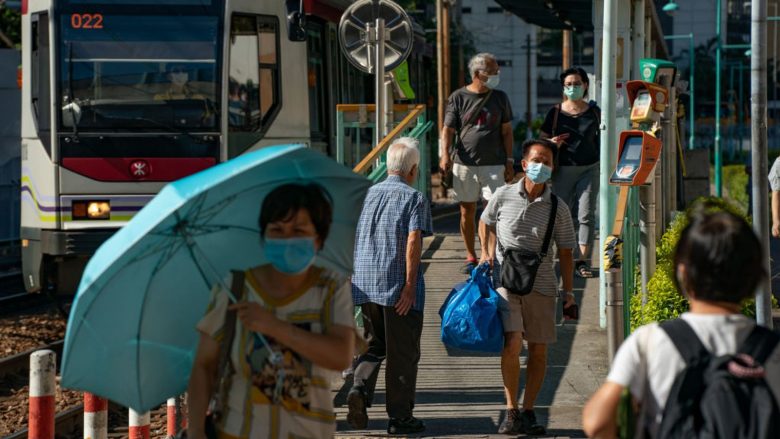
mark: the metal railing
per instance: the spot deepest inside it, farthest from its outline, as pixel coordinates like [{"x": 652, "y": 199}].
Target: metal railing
[
  {"x": 630, "y": 255},
  {"x": 351, "y": 119}
]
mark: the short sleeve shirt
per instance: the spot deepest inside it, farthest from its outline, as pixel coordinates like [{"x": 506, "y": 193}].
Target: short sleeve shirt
[
  {"x": 521, "y": 224},
  {"x": 391, "y": 211},
  {"x": 582, "y": 147},
  {"x": 774, "y": 176},
  {"x": 305, "y": 404},
  {"x": 482, "y": 143},
  {"x": 648, "y": 356}
]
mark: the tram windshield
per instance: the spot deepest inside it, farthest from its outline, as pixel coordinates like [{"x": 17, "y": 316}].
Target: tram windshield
[{"x": 129, "y": 71}]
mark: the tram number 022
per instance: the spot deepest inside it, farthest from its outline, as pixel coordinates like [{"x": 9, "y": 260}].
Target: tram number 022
[{"x": 86, "y": 21}]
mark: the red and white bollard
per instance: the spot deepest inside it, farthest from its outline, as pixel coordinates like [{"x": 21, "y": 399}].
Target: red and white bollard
[
  {"x": 173, "y": 417},
  {"x": 139, "y": 425},
  {"x": 43, "y": 387},
  {"x": 95, "y": 417}
]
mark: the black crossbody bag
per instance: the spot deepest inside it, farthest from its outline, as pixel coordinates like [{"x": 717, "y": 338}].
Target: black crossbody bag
[{"x": 518, "y": 270}]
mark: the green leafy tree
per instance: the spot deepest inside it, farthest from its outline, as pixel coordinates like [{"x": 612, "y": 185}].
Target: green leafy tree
[{"x": 10, "y": 28}]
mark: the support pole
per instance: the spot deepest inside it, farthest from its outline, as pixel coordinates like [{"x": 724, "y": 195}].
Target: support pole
[
  {"x": 758, "y": 122},
  {"x": 608, "y": 137},
  {"x": 95, "y": 417},
  {"x": 718, "y": 43},
  {"x": 441, "y": 97},
  {"x": 566, "y": 61},
  {"x": 139, "y": 425},
  {"x": 379, "y": 78},
  {"x": 43, "y": 386},
  {"x": 528, "y": 113},
  {"x": 173, "y": 418},
  {"x": 691, "y": 92}
]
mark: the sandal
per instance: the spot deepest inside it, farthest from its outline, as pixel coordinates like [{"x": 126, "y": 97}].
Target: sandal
[{"x": 583, "y": 270}]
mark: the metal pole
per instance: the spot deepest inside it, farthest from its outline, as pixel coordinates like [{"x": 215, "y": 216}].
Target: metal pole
[
  {"x": 614, "y": 306},
  {"x": 379, "y": 78},
  {"x": 758, "y": 121},
  {"x": 740, "y": 109},
  {"x": 718, "y": 164},
  {"x": 691, "y": 91},
  {"x": 566, "y": 61},
  {"x": 528, "y": 113},
  {"x": 608, "y": 137},
  {"x": 442, "y": 98}
]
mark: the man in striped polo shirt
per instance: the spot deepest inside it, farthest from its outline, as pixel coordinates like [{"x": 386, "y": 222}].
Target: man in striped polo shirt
[{"x": 516, "y": 217}]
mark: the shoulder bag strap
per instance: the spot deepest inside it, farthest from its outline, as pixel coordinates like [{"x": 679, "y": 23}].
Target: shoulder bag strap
[
  {"x": 555, "y": 119},
  {"x": 550, "y": 225},
  {"x": 685, "y": 340},
  {"x": 229, "y": 332},
  {"x": 474, "y": 114},
  {"x": 760, "y": 344}
]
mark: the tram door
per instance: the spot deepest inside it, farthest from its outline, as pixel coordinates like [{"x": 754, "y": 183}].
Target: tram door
[{"x": 266, "y": 93}]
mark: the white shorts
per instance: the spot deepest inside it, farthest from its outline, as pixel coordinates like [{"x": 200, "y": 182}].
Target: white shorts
[{"x": 471, "y": 182}]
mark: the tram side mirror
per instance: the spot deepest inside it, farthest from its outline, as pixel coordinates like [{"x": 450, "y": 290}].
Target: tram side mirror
[
  {"x": 638, "y": 154},
  {"x": 296, "y": 20},
  {"x": 648, "y": 100}
]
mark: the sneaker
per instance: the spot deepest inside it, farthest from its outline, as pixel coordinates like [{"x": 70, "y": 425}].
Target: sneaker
[
  {"x": 511, "y": 423},
  {"x": 468, "y": 266},
  {"x": 529, "y": 423},
  {"x": 408, "y": 425},
  {"x": 583, "y": 270},
  {"x": 356, "y": 401}
]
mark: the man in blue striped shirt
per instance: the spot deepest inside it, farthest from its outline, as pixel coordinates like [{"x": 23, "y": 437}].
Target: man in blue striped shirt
[{"x": 388, "y": 286}]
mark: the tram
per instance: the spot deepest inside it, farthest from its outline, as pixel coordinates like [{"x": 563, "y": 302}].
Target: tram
[{"x": 120, "y": 97}]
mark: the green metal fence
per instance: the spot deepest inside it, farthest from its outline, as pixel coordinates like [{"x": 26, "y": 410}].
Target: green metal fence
[
  {"x": 630, "y": 254},
  {"x": 353, "y": 143}
]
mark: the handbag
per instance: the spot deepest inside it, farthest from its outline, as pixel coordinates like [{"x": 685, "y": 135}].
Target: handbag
[
  {"x": 469, "y": 316},
  {"x": 518, "y": 270}
]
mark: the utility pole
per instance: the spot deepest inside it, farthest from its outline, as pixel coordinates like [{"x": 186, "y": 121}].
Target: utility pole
[
  {"x": 758, "y": 121},
  {"x": 439, "y": 67},
  {"x": 445, "y": 16},
  {"x": 566, "y": 50},
  {"x": 718, "y": 43},
  {"x": 608, "y": 137},
  {"x": 528, "y": 113}
]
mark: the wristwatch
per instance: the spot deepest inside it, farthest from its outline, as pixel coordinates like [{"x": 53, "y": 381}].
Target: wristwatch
[{"x": 510, "y": 160}]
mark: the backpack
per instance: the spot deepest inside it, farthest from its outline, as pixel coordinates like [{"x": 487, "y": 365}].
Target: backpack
[{"x": 720, "y": 397}]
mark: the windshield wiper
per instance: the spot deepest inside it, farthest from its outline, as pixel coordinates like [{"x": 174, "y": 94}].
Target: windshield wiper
[{"x": 173, "y": 130}]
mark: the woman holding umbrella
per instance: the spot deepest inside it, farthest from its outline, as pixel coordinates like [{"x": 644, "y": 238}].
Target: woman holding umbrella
[{"x": 293, "y": 326}]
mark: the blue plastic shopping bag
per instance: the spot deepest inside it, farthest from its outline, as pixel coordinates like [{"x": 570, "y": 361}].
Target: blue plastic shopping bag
[{"x": 469, "y": 317}]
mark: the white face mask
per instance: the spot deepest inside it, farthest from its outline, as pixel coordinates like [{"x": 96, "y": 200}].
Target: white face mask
[
  {"x": 492, "y": 81},
  {"x": 179, "y": 78}
]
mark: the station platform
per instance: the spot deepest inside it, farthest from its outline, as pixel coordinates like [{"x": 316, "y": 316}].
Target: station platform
[{"x": 460, "y": 394}]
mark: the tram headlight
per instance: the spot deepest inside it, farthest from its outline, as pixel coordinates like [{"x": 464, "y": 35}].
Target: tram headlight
[{"x": 91, "y": 210}]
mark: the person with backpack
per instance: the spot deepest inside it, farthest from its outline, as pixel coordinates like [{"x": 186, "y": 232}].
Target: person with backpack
[
  {"x": 573, "y": 125},
  {"x": 712, "y": 372}
]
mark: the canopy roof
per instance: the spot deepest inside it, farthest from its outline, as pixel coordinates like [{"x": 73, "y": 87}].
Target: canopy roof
[{"x": 553, "y": 14}]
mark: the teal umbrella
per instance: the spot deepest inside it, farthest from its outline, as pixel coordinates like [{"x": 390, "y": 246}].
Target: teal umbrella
[{"x": 131, "y": 334}]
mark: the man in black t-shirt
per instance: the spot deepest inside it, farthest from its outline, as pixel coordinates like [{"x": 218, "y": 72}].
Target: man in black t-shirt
[{"x": 479, "y": 117}]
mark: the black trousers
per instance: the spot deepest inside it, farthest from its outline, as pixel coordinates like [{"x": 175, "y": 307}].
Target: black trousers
[{"x": 397, "y": 339}]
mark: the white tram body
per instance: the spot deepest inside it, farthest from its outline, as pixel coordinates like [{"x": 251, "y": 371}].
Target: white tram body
[{"x": 120, "y": 97}]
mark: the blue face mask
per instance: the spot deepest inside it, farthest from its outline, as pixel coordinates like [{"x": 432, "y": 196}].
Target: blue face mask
[
  {"x": 291, "y": 255},
  {"x": 538, "y": 172}
]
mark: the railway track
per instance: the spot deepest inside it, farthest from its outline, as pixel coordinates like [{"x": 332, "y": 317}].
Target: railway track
[{"x": 20, "y": 363}]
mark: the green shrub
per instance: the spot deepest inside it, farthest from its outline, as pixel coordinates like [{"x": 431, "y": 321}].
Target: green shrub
[
  {"x": 736, "y": 179},
  {"x": 664, "y": 302}
]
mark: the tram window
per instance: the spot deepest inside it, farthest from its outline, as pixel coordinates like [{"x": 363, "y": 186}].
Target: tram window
[
  {"x": 254, "y": 83},
  {"x": 39, "y": 85}
]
